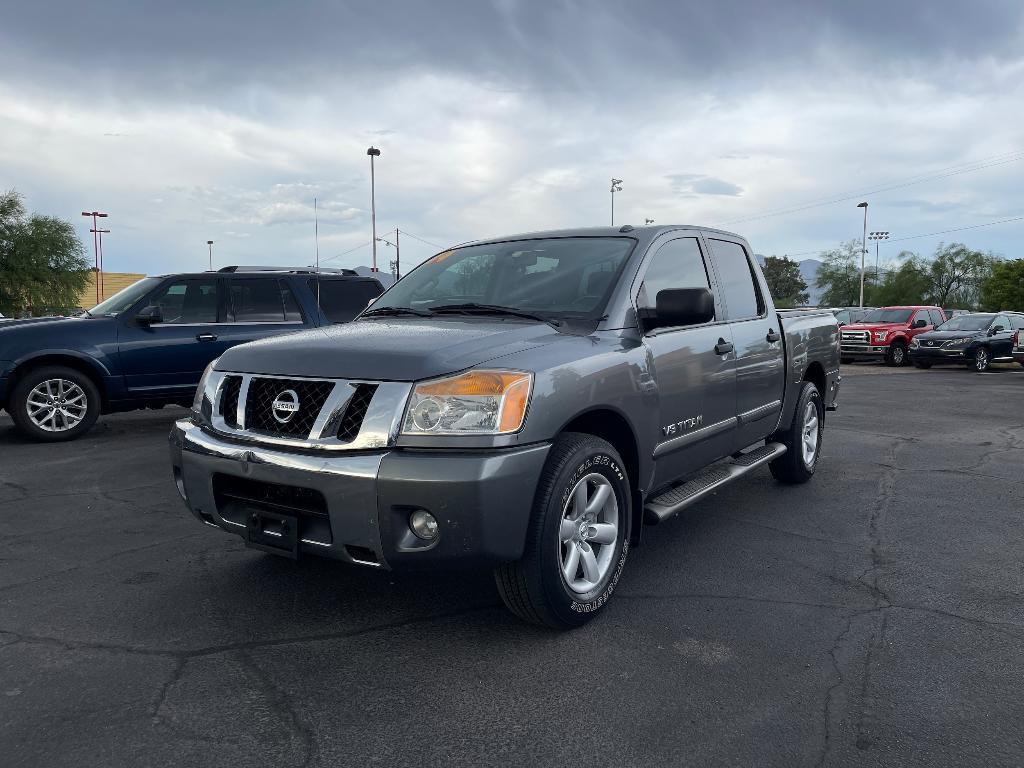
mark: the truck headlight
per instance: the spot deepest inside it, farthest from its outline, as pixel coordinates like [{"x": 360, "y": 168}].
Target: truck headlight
[
  {"x": 202, "y": 405},
  {"x": 914, "y": 343},
  {"x": 880, "y": 335},
  {"x": 472, "y": 403}
]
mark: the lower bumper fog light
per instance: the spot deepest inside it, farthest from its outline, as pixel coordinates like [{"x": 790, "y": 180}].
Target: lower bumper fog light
[{"x": 423, "y": 524}]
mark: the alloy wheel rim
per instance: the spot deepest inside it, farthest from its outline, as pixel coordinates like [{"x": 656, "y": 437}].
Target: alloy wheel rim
[
  {"x": 897, "y": 355},
  {"x": 809, "y": 437},
  {"x": 980, "y": 359},
  {"x": 587, "y": 533},
  {"x": 56, "y": 405}
]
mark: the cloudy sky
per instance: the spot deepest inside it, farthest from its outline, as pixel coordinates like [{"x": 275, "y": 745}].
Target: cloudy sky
[{"x": 193, "y": 120}]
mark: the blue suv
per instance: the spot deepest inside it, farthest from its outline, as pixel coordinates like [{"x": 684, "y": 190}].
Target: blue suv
[{"x": 148, "y": 345}]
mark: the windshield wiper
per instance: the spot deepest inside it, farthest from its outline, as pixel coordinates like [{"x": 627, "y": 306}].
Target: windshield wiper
[
  {"x": 395, "y": 311},
  {"x": 496, "y": 309}
]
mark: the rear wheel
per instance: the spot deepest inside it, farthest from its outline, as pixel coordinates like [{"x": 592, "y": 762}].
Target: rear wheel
[
  {"x": 54, "y": 403},
  {"x": 802, "y": 439},
  {"x": 981, "y": 360},
  {"x": 577, "y": 542},
  {"x": 897, "y": 354}
]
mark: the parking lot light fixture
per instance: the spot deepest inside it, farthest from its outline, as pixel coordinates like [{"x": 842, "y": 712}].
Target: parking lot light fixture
[
  {"x": 209, "y": 244},
  {"x": 616, "y": 187},
  {"x": 863, "y": 250},
  {"x": 876, "y": 236},
  {"x": 373, "y": 152}
]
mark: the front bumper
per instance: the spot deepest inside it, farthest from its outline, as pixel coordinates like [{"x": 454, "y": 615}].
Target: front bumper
[
  {"x": 863, "y": 351},
  {"x": 482, "y": 499},
  {"x": 939, "y": 354}
]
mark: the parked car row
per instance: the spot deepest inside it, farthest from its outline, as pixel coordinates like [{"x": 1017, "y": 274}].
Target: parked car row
[
  {"x": 926, "y": 336},
  {"x": 147, "y": 346}
]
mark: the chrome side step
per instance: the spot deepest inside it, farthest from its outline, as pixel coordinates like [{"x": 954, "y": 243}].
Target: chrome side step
[{"x": 681, "y": 496}]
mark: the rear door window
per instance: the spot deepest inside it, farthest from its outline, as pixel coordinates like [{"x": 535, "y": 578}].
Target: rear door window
[
  {"x": 262, "y": 300},
  {"x": 742, "y": 295},
  {"x": 342, "y": 300}
]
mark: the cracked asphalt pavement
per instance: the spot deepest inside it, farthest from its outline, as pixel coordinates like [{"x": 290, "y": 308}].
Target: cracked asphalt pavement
[{"x": 872, "y": 617}]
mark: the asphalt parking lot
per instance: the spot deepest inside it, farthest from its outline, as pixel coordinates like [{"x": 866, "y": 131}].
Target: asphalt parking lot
[{"x": 872, "y": 617}]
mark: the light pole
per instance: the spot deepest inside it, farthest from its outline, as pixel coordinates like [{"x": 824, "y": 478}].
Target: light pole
[
  {"x": 95, "y": 246},
  {"x": 616, "y": 187},
  {"x": 863, "y": 250},
  {"x": 397, "y": 263},
  {"x": 99, "y": 274},
  {"x": 373, "y": 152},
  {"x": 209, "y": 244},
  {"x": 876, "y": 236}
]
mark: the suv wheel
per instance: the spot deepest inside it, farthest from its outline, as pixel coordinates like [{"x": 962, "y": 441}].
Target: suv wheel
[
  {"x": 802, "y": 439},
  {"x": 577, "y": 542},
  {"x": 54, "y": 403},
  {"x": 897, "y": 354},
  {"x": 981, "y": 360}
]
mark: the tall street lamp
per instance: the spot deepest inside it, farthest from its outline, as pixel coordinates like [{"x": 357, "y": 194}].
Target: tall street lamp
[
  {"x": 373, "y": 152},
  {"x": 876, "y": 236},
  {"x": 863, "y": 250},
  {"x": 209, "y": 244},
  {"x": 95, "y": 245},
  {"x": 616, "y": 187}
]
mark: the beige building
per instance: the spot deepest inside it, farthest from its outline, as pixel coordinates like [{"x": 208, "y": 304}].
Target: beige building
[{"x": 112, "y": 283}]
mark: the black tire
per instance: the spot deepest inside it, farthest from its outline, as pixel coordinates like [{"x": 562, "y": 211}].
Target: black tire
[
  {"x": 534, "y": 587},
  {"x": 845, "y": 360},
  {"x": 922, "y": 364},
  {"x": 791, "y": 467},
  {"x": 896, "y": 356},
  {"x": 18, "y": 405},
  {"x": 981, "y": 360}
]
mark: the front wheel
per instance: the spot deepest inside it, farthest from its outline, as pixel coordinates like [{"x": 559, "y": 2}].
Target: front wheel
[
  {"x": 54, "y": 403},
  {"x": 578, "y": 537},
  {"x": 897, "y": 354},
  {"x": 802, "y": 439},
  {"x": 981, "y": 360}
]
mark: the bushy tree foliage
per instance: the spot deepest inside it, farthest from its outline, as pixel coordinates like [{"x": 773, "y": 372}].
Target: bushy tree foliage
[
  {"x": 838, "y": 277},
  {"x": 42, "y": 262},
  {"x": 787, "y": 285},
  {"x": 1004, "y": 287}
]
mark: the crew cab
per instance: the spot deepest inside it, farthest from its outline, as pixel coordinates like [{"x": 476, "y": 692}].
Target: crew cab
[
  {"x": 975, "y": 340},
  {"x": 527, "y": 403},
  {"x": 886, "y": 333},
  {"x": 148, "y": 345}
]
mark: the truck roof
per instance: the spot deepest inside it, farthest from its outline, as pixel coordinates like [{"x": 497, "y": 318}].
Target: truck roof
[{"x": 647, "y": 232}]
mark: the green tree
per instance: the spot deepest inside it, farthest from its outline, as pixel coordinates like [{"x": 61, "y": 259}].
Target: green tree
[
  {"x": 907, "y": 283},
  {"x": 1004, "y": 288},
  {"x": 787, "y": 285},
  {"x": 956, "y": 274},
  {"x": 42, "y": 261},
  {"x": 838, "y": 277}
]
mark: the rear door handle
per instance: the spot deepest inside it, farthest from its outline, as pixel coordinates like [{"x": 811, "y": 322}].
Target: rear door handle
[
  {"x": 723, "y": 347},
  {"x": 773, "y": 336},
  {"x": 206, "y": 337}
]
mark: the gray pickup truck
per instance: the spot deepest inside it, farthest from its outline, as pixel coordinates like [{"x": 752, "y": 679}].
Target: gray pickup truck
[{"x": 526, "y": 403}]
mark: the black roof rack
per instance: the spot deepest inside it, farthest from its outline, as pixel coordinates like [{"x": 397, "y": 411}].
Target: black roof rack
[{"x": 293, "y": 270}]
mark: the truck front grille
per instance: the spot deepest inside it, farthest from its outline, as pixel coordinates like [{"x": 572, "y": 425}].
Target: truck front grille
[
  {"x": 229, "y": 400},
  {"x": 855, "y": 337},
  {"x": 261, "y": 414},
  {"x": 355, "y": 412}
]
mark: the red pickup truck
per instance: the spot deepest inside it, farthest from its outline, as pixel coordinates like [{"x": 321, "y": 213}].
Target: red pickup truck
[{"x": 885, "y": 333}]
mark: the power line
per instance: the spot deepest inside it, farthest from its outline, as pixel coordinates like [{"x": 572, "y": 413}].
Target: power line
[
  {"x": 344, "y": 253},
  {"x": 414, "y": 237},
  {"x": 943, "y": 173},
  {"x": 927, "y": 234}
]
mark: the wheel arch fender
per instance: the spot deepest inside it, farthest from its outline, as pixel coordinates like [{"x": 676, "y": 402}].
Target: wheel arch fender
[{"x": 90, "y": 366}]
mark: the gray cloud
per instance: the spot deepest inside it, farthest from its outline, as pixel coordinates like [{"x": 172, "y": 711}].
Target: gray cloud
[{"x": 698, "y": 184}]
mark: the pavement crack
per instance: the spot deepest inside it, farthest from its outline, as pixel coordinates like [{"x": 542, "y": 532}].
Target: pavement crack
[
  {"x": 282, "y": 706},
  {"x": 173, "y": 678},
  {"x": 827, "y": 707}
]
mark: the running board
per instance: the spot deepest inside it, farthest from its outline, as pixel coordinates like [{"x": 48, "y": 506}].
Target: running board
[{"x": 681, "y": 496}]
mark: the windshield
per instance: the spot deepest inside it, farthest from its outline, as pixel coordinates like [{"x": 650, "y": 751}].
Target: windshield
[
  {"x": 557, "y": 277},
  {"x": 123, "y": 299},
  {"x": 887, "y": 316},
  {"x": 967, "y": 323}
]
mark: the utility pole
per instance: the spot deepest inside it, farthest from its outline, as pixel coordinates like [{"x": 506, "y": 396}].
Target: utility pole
[
  {"x": 373, "y": 152},
  {"x": 397, "y": 263},
  {"x": 616, "y": 187},
  {"x": 99, "y": 274},
  {"x": 863, "y": 250},
  {"x": 209, "y": 244},
  {"x": 95, "y": 245}
]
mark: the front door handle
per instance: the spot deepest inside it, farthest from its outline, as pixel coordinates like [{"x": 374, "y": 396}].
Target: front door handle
[
  {"x": 723, "y": 347},
  {"x": 206, "y": 337},
  {"x": 773, "y": 336}
]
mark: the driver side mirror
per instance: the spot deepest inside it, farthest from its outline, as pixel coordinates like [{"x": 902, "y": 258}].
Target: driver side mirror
[
  {"x": 920, "y": 324},
  {"x": 150, "y": 315},
  {"x": 995, "y": 329},
  {"x": 682, "y": 306}
]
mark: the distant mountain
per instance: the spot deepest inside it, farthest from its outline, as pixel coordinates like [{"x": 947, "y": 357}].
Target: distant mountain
[{"x": 808, "y": 271}]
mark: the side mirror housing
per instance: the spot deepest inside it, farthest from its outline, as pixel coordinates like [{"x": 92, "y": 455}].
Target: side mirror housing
[
  {"x": 150, "y": 315},
  {"x": 682, "y": 306},
  {"x": 995, "y": 329}
]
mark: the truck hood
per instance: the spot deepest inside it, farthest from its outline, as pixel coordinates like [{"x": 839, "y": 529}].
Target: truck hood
[
  {"x": 947, "y": 335},
  {"x": 10, "y": 322},
  {"x": 389, "y": 349},
  {"x": 874, "y": 326}
]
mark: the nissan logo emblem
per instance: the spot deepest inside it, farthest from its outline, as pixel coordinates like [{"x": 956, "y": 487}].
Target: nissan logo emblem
[{"x": 285, "y": 406}]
